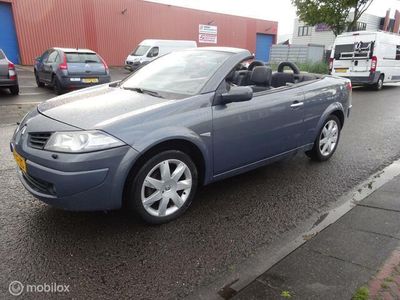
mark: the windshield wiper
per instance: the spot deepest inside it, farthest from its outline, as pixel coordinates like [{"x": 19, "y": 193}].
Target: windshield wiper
[{"x": 143, "y": 91}]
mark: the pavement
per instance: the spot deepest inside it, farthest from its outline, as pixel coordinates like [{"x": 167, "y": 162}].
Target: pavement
[
  {"x": 114, "y": 255},
  {"x": 360, "y": 250}
]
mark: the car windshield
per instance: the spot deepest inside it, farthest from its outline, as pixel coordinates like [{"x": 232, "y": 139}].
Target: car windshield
[
  {"x": 140, "y": 50},
  {"x": 74, "y": 57},
  {"x": 1, "y": 54},
  {"x": 179, "y": 73}
]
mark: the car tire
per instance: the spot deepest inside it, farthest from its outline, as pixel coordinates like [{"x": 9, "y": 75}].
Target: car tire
[
  {"x": 155, "y": 184},
  {"x": 14, "y": 90},
  {"x": 379, "y": 84},
  {"x": 57, "y": 86},
  {"x": 327, "y": 140},
  {"x": 38, "y": 82}
]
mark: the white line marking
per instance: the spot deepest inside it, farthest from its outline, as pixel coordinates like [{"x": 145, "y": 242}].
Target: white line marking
[{"x": 32, "y": 94}]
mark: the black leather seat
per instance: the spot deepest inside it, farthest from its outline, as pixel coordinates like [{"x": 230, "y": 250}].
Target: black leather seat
[
  {"x": 261, "y": 77},
  {"x": 281, "y": 78}
]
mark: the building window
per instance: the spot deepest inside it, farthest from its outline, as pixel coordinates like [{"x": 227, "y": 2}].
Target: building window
[
  {"x": 304, "y": 30},
  {"x": 398, "y": 52},
  {"x": 361, "y": 26}
]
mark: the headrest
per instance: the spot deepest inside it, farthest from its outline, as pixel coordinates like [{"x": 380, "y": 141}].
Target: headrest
[{"x": 261, "y": 75}]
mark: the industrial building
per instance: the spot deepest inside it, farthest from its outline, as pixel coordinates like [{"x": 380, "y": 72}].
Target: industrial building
[
  {"x": 321, "y": 34},
  {"x": 114, "y": 28}
]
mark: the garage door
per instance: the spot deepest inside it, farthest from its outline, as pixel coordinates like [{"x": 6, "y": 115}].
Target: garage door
[
  {"x": 8, "y": 37},
  {"x": 263, "y": 46}
]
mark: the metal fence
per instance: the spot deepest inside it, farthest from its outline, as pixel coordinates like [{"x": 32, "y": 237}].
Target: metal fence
[{"x": 297, "y": 53}]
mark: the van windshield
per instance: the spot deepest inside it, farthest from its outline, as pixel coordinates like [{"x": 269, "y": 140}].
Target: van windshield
[
  {"x": 140, "y": 50},
  {"x": 177, "y": 74}
]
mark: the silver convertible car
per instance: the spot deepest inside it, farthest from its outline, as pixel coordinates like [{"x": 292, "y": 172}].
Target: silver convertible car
[{"x": 186, "y": 119}]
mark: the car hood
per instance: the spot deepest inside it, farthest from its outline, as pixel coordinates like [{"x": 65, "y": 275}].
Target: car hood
[{"x": 96, "y": 107}]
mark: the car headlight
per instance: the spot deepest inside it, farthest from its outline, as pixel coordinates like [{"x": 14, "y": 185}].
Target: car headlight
[{"x": 81, "y": 141}]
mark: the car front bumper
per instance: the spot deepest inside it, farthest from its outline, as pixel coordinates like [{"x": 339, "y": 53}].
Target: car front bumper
[
  {"x": 80, "y": 182},
  {"x": 132, "y": 66}
]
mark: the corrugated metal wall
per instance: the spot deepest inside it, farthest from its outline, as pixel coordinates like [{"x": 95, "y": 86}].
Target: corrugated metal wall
[{"x": 114, "y": 28}]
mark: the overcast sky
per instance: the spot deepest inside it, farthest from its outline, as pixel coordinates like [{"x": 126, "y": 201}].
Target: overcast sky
[{"x": 274, "y": 10}]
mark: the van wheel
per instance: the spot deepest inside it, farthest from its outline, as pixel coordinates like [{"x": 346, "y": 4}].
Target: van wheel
[
  {"x": 164, "y": 187},
  {"x": 327, "y": 140},
  {"x": 379, "y": 84}
]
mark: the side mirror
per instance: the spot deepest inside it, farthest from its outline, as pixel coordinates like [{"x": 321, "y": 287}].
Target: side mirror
[
  {"x": 237, "y": 94},
  {"x": 37, "y": 58}
]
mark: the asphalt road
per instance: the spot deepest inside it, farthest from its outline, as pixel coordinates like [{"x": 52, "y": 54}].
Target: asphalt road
[{"x": 103, "y": 255}]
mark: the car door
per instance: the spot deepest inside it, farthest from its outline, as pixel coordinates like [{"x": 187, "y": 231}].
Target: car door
[
  {"x": 269, "y": 124},
  {"x": 153, "y": 53},
  {"x": 40, "y": 64},
  {"x": 49, "y": 66}
]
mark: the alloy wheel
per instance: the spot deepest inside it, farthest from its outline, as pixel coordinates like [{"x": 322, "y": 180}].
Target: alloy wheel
[
  {"x": 166, "y": 188},
  {"x": 328, "y": 138}
]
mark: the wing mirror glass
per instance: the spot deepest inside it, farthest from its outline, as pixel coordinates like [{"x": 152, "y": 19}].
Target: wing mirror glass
[{"x": 237, "y": 94}]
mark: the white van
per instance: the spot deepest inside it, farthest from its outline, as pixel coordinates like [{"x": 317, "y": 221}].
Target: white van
[
  {"x": 367, "y": 57},
  {"x": 148, "y": 50}
]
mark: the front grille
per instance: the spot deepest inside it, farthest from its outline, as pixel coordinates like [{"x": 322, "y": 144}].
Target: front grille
[
  {"x": 38, "y": 140},
  {"x": 39, "y": 185}
]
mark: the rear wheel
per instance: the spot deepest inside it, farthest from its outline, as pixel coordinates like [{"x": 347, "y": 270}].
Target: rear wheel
[
  {"x": 327, "y": 140},
  {"x": 57, "y": 86},
  {"x": 379, "y": 84},
  {"x": 38, "y": 82},
  {"x": 164, "y": 187},
  {"x": 14, "y": 90}
]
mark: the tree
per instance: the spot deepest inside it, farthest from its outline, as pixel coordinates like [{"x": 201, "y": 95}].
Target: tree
[{"x": 334, "y": 13}]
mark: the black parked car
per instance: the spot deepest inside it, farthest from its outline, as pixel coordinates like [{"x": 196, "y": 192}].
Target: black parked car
[{"x": 67, "y": 69}]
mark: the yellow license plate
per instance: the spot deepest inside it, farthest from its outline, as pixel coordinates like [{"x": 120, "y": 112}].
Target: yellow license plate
[
  {"x": 341, "y": 70},
  {"x": 90, "y": 80},
  {"x": 20, "y": 161}
]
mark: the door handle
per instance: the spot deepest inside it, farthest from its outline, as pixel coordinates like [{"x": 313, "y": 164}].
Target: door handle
[{"x": 296, "y": 104}]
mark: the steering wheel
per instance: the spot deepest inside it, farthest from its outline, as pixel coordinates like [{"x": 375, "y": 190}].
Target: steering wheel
[
  {"x": 255, "y": 63},
  {"x": 290, "y": 65}
]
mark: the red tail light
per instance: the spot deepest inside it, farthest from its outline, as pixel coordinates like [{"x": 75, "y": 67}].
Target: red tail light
[
  {"x": 349, "y": 86},
  {"x": 11, "y": 71},
  {"x": 374, "y": 63},
  {"x": 63, "y": 65}
]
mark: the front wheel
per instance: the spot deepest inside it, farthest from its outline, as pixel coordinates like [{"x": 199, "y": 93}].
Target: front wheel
[
  {"x": 38, "y": 82},
  {"x": 164, "y": 187},
  {"x": 327, "y": 140}
]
